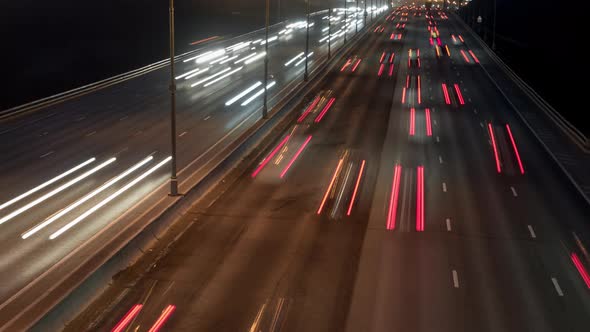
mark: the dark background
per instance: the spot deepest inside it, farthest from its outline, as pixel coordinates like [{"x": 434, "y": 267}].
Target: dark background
[{"x": 52, "y": 46}]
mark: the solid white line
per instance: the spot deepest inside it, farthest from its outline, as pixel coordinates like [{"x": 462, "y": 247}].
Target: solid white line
[
  {"x": 47, "y": 183},
  {"x": 455, "y": 279},
  {"x": 444, "y": 186},
  {"x": 557, "y": 287},
  {"x": 47, "y": 154},
  {"x": 532, "y": 231},
  {"x": 448, "y": 224},
  {"x": 514, "y": 192}
]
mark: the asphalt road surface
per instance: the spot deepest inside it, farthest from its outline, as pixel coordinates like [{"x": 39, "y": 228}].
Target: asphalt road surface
[{"x": 390, "y": 205}]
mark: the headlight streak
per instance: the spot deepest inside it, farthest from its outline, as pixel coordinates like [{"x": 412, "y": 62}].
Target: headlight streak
[
  {"x": 56, "y": 191},
  {"x": 245, "y": 58},
  {"x": 254, "y": 58},
  {"x": 108, "y": 199},
  {"x": 197, "y": 73},
  {"x": 197, "y": 56},
  {"x": 187, "y": 73},
  {"x": 217, "y": 60},
  {"x": 228, "y": 59},
  {"x": 222, "y": 77},
  {"x": 294, "y": 59},
  {"x": 301, "y": 61},
  {"x": 243, "y": 93},
  {"x": 85, "y": 198},
  {"x": 210, "y": 56},
  {"x": 261, "y": 91},
  {"x": 211, "y": 77},
  {"x": 45, "y": 184}
]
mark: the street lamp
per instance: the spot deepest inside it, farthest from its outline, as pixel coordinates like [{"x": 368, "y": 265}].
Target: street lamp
[
  {"x": 265, "y": 105},
  {"x": 305, "y": 75},
  {"x": 172, "y": 88}
]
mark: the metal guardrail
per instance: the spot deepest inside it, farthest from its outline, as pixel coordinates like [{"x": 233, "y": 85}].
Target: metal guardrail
[{"x": 567, "y": 127}]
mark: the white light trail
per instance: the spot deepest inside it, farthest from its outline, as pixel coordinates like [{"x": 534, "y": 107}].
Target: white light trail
[
  {"x": 217, "y": 60},
  {"x": 257, "y": 57},
  {"x": 210, "y": 56},
  {"x": 325, "y": 29},
  {"x": 56, "y": 191},
  {"x": 228, "y": 59},
  {"x": 197, "y": 57},
  {"x": 261, "y": 91},
  {"x": 300, "y": 61},
  {"x": 45, "y": 184},
  {"x": 210, "y": 77},
  {"x": 294, "y": 58},
  {"x": 187, "y": 73},
  {"x": 197, "y": 73},
  {"x": 223, "y": 76},
  {"x": 84, "y": 199},
  {"x": 108, "y": 199},
  {"x": 245, "y": 58},
  {"x": 243, "y": 93},
  {"x": 273, "y": 38}
]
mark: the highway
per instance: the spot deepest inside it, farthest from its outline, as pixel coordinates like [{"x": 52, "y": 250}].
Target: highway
[
  {"x": 80, "y": 170},
  {"x": 413, "y": 201}
]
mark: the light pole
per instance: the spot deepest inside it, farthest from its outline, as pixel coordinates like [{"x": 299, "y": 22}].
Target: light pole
[
  {"x": 265, "y": 106},
  {"x": 330, "y": 31},
  {"x": 305, "y": 75},
  {"x": 345, "y": 17},
  {"x": 494, "y": 29},
  {"x": 365, "y": 14},
  {"x": 356, "y": 22},
  {"x": 172, "y": 88}
]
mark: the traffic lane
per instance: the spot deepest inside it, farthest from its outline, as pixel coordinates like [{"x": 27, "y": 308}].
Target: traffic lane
[
  {"x": 146, "y": 111},
  {"x": 270, "y": 195}
]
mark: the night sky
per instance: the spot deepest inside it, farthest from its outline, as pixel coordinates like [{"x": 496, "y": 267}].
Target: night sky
[{"x": 51, "y": 46}]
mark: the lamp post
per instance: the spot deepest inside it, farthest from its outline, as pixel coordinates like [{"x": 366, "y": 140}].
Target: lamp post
[
  {"x": 265, "y": 105},
  {"x": 365, "y": 14},
  {"x": 305, "y": 75},
  {"x": 345, "y": 17},
  {"x": 330, "y": 31},
  {"x": 356, "y": 22},
  {"x": 172, "y": 88}
]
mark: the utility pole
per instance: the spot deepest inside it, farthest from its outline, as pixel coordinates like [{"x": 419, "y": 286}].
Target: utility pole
[
  {"x": 172, "y": 88},
  {"x": 265, "y": 106},
  {"x": 305, "y": 75}
]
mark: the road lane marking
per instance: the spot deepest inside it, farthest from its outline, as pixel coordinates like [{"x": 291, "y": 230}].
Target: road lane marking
[
  {"x": 207, "y": 118},
  {"x": 532, "y": 231},
  {"x": 455, "y": 279},
  {"x": 481, "y": 124},
  {"x": 448, "y": 221},
  {"x": 444, "y": 186},
  {"x": 90, "y": 134},
  {"x": 137, "y": 133},
  {"x": 47, "y": 154},
  {"x": 437, "y": 139},
  {"x": 435, "y": 123},
  {"x": 514, "y": 192},
  {"x": 557, "y": 287},
  {"x": 475, "y": 110},
  {"x": 183, "y": 133},
  {"x": 440, "y": 159},
  {"x": 123, "y": 118}
]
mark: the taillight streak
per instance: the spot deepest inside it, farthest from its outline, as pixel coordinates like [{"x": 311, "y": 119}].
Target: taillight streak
[
  {"x": 465, "y": 56},
  {"x": 420, "y": 199},
  {"x": 496, "y": 156},
  {"x": 325, "y": 198},
  {"x": 356, "y": 187},
  {"x": 581, "y": 269},
  {"x": 380, "y": 70},
  {"x": 392, "y": 36},
  {"x": 408, "y": 81},
  {"x": 301, "y": 148},
  {"x": 412, "y": 121},
  {"x": 461, "y": 38},
  {"x": 129, "y": 316},
  {"x": 428, "y": 124},
  {"x": 515, "y": 149},
  {"x": 419, "y": 91},
  {"x": 382, "y": 56},
  {"x": 454, "y": 38},
  {"x": 345, "y": 65},
  {"x": 448, "y": 50},
  {"x": 391, "y": 69},
  {"x": 356, "y": 65},
  {"x": 446, "y": 93},
  {"x": 309, "y": 109},
  {"x": 392, "y": 214},
  {"x": 270, "y": 156},
  {"x": 163, "y": 318},
  {"x": 459, "y": 94},
  {"x": 324, "y": 110},
  {"x": 473, "y": 56},
  {"x": 391, "y": 57},
  {"x": 403, "y": 95}
]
